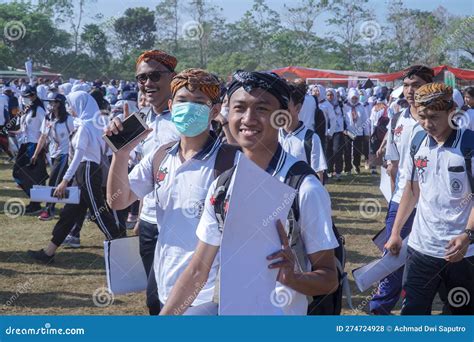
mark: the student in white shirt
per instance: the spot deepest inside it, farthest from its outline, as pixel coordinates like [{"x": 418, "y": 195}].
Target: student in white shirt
[
  {"x": 358, "y": 125},
  {"x": 85, "y": 168},
  {"x": 335, "y": 145},
  {"x": 180, "y": 180},
  {"x": 441, "y": 243},
  {"x": 56, "y": 127},
  {"x": 298, "y": 140},
  {"x": 154, "y": 72},
  {"x": 25, "y": 174},
  {"x": 398, "y": 151},
  {"x": 253, "y": 97}
]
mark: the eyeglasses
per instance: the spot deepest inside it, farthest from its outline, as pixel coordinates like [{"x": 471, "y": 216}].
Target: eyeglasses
[{"x": 153, "y": 76}]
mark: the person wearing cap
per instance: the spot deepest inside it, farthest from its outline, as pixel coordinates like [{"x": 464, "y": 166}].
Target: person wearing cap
[
  {"x": 441, "y": 243},
  {"x": 401, "y": 128},
  {"x": 55, "y": 130},
  {"x": 179, "y": 180},
  {"x": 25, "y": 174},
  {"x": 253, "y": 97}
]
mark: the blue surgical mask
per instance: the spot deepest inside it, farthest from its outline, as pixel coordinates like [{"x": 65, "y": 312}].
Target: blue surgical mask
[
  {"x": 190, "y": 119},
  {"x": 362, "y": 98}
]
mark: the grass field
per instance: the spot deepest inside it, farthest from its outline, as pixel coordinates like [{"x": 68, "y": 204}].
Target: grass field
[{"x": 67, "y": 287}]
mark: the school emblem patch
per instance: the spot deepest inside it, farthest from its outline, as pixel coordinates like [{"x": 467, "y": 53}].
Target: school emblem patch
[
  {"x": 421, "y": 163},
  {"x": 398, "y": 131},
  {"x": 456, "y": 186},
  {"x": 160, "y": 176}
]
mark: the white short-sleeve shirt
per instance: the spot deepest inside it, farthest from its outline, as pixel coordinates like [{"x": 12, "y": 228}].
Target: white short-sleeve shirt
[
  {"x": 316, "y": 225},
  {"x": 58, "y": 133},
  {"x": 30, "y": 127},
  {"x": 294, "y": 144},
  {"x": 445, "y": 201},
  {"x": 180, "y": 190},
  {"x": 164, "y": 132}
]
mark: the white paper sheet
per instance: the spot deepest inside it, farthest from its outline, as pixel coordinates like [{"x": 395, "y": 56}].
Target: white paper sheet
[
  {"x": 385, "y": 185},
  {"x": 43, "y": 194},
  {"x": 123, "y": 266},
  {"x": 206, "y": 309},
  {"x": 250, "y": 235},
  {"x": 380, "y": 238},
  {"x": 375, "y": 271}
]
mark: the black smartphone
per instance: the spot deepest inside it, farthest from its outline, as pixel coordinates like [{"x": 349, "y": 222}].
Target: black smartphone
[
  {"x": 133, "y": 126},
  {"x": 66, "y": 193}
]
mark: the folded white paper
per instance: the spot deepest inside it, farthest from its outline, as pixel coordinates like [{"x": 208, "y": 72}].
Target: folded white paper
[
  {"x": 123, "y": 265},
  {"x": 385, "y": 184},
  {"x": 380, "y": 238},
  {"x": 375, "y": 271},
  {"x": 247, "y": 286},
  {"x": 206, "y": 309},
  {"x": 45, "y": 194}
]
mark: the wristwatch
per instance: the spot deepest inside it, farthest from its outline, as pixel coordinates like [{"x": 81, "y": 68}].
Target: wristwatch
[{"x": 470, "y": 234}]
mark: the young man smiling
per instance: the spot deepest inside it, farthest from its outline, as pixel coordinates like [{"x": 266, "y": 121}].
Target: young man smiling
[
  {"x": 253, "y": 97},
  {"x": 441, "y": 244},
  {"x": 179, "y": 174}
]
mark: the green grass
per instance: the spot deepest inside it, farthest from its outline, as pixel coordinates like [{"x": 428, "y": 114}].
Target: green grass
[{"x": 67, "y": 287}]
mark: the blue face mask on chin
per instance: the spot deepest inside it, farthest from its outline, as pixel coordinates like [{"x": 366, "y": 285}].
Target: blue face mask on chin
[{"x": 190, "y": 119}]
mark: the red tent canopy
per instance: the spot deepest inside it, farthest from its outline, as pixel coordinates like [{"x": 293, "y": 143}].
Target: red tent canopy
[
  {"x": 463, "y": 74},
  {"x": 292, "y": 71}
]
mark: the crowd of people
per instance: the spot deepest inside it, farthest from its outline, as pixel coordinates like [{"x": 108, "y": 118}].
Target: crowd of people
[{"x": 198, "y": 124}]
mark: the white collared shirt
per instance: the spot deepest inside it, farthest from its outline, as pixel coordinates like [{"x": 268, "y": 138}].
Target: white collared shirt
[
  {"x": 180, "y": 190},
  {"x": 316, "y": 227},
  {"x": 293, "y": 143},
  {"x": 445, "y": 201}
]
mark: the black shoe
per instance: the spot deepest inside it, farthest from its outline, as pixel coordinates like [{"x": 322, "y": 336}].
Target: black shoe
[
  {"x": 41, "y": 256},
  {"x": 33, "y": 209}
]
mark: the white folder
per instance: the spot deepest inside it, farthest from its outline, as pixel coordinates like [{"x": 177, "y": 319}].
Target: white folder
[
  {"x": 45, "y": 194},
  {"x": 385, "y": 184},
  {"x": 380, "y": 239},
  {"x": 123, "y": 265},
  {"x": 375, "y": 271},
  {"x": 247, "y": 284}
]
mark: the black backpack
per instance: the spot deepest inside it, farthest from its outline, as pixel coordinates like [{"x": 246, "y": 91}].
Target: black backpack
[{"x": 321, "y": 305}]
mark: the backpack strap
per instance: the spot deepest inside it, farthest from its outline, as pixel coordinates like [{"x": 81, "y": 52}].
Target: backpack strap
[
  {"x": 308, "y": 144},
  {"x": 219, "y": 197},
  {"x": 414, "y": 147},
  {"x": 159, "y": 156},
  {"x": 225, "y": 159}
]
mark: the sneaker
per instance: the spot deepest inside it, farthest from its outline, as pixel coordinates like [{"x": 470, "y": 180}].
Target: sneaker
[
  {"x": 33, "y": 209},
  {"x": 72, "y": 242},
  {"x": 329, "y": 175},
  {"x": 41, "y": 256},
  {"x": 373, "y": 172},
  {"x": 348, "y": 173},
  {"x": 338, "y": 176},
  {"x": 45, "y": 216}
]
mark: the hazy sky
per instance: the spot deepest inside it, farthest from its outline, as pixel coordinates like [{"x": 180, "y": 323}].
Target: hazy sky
[{"x": 233, "y": 9}]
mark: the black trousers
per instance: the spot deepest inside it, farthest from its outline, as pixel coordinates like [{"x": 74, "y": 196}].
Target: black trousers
[
  {"x": 148, "y": 238},
  {"x": 424, "y": 275},
  {"x": 335, "y": 148},
  {"x": 89, "y": 180},
  {"x": 60, "y": 165}
]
